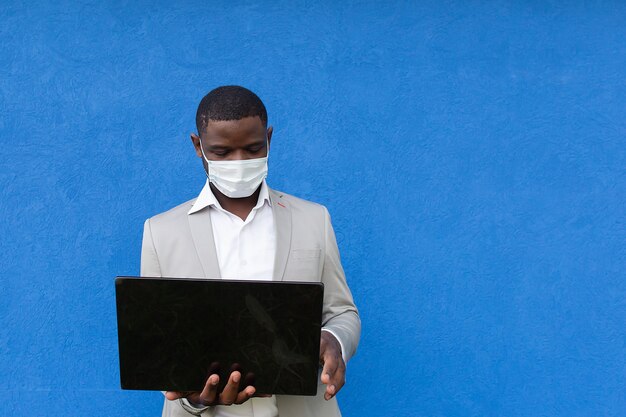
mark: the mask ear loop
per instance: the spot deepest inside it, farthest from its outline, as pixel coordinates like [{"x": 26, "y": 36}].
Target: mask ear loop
[{"x": 208, "y": 165}]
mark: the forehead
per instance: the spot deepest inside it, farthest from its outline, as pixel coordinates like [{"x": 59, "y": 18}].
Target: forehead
[{"x": 234, "y": 131}]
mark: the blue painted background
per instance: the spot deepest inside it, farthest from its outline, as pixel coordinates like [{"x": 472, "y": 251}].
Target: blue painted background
[{"x": 472, "y": 155}]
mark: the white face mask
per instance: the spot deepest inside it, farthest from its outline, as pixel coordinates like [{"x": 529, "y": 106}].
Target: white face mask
[{"x": 239, "y": 178}]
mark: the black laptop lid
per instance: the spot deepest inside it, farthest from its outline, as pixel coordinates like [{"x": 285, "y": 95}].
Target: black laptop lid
[{"x": 173, "y": 333}]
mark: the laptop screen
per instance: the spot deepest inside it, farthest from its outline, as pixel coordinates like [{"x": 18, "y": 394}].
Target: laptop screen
[{"x": 173, "y": 333}]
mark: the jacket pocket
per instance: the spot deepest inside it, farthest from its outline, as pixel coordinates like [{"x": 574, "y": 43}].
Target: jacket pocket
[
  {"x": 301, "y": 254},
  {"x": 303, "y": 265}
]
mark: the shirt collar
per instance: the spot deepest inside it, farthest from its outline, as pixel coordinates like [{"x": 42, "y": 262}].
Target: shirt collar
[{"x": 207, "y": 198}]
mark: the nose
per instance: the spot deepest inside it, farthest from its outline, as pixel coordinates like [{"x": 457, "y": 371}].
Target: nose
[{"x": 237, "y": 154}]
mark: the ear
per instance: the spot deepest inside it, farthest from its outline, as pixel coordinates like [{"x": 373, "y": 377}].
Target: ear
[{"x": 196, "y": 144}]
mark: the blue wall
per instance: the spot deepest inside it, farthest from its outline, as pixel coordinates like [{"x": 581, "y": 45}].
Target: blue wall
[{"x": 472, "y": 155}]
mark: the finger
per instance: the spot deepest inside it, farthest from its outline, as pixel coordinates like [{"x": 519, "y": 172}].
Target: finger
[
  {"x": 330, "y": 366},
  {"x": 245, "y": 395},
  {"x": 229, "y": 394},
  {"x": 333, "y": 373},
  {"x": 173, "y": 395},
  {"x": 337, "y": 381},
  {"x": 209, "y": 393}
]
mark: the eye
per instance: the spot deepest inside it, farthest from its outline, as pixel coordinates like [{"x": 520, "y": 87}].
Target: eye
[
  {"x": 220, "y": 153},
  {"x": 255, "y": 149}
]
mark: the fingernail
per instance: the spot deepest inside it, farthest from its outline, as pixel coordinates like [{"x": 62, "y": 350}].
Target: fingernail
[
  {"x": 214, "y": 380},
  {"x": 235, "y": 378}
]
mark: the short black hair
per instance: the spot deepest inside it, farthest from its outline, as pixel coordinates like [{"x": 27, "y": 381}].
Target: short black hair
[{"x": 229, "y": 102}]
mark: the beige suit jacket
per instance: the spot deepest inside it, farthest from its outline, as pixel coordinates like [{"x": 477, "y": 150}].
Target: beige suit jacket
[{"x": 178, "y": 244}]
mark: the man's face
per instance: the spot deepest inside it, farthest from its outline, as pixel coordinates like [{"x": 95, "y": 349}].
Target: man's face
[{"x": 228, "y": 140}]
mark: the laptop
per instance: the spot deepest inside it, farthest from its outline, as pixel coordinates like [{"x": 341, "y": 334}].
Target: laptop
[{"x": 175, "y": 332}]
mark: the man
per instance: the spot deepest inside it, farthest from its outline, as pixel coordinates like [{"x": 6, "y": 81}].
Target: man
[{"x": 239, "y": 228}]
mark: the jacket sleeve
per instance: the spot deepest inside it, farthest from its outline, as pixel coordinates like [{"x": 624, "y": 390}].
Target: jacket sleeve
[
  {"x": 340, "y": 314},
  {"x": 149, "y": 261}
]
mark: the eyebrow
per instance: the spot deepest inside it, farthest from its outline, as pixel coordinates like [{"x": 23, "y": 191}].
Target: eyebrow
[
  {"x": 225, "y": 148},
  {"x": 215, "y": 147},
  {"x": 259, "y": 142}
]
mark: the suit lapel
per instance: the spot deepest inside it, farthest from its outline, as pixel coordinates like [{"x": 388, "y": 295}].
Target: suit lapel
[
  {"x": 202, "y": 232},
  {"x": 282, "y": 223}
]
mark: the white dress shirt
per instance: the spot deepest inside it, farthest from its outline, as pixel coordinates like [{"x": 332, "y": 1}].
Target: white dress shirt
[{"x": 245, "y": 250}]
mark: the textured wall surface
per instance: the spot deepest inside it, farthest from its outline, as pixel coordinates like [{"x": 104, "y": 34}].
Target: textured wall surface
[{"x": 472, "y": 155}]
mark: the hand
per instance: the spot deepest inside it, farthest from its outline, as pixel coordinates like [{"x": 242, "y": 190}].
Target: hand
[
  {"x": 210, "y": 395},
  {"x": 334, "y": 371}
]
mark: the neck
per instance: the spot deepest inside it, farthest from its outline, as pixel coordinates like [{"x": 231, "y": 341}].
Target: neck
[{"x": 240, "y": 207}]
